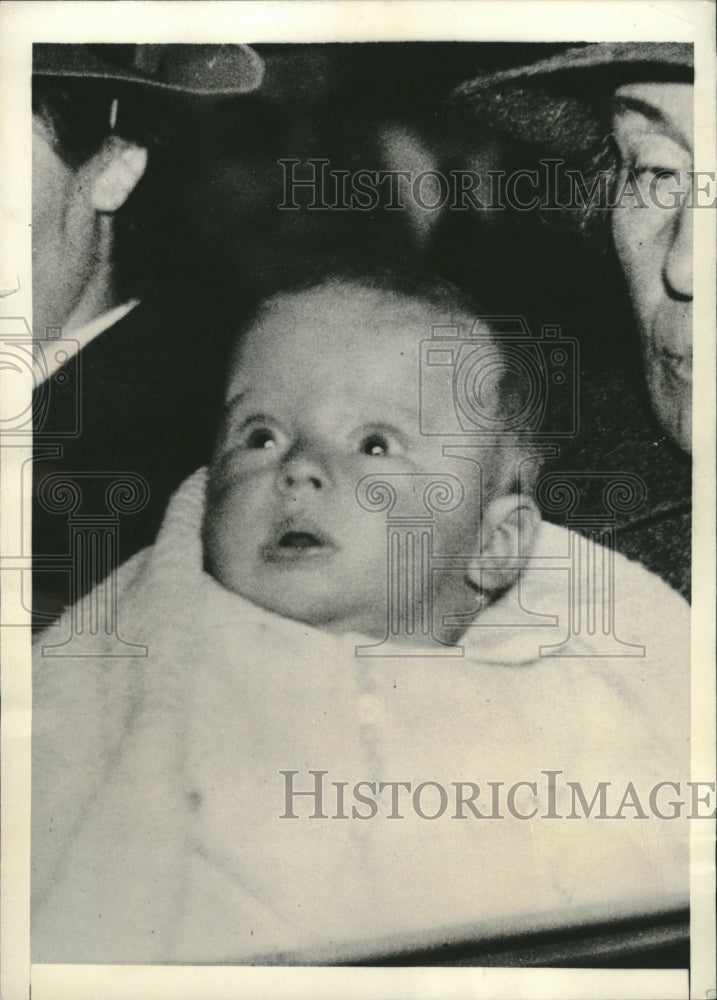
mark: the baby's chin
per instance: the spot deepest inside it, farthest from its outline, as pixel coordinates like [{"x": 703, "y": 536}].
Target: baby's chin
[
  {"x": 293, "y": 600},
  {"x": 368, "y": 623},
  {"x": 324, "y": 605},
  {"x": 334, "y": 620}
]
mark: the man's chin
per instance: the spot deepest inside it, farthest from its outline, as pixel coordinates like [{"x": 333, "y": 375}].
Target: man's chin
[
  {"x": 675, "y": 415},
  {"x": 682, "y": 436}
]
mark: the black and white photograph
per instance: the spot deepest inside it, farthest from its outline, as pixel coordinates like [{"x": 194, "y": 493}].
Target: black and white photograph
[{"x": 358, "y": 499}]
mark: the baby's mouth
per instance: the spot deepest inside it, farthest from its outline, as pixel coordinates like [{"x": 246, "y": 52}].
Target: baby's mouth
[{"x": 296, "y": 542}]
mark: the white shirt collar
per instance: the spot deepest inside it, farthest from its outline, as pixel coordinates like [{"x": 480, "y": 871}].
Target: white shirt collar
[{"x": 48, "y": 361}]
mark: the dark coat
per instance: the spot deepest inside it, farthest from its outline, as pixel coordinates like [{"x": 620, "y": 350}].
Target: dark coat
[
  {"x": 142, "y": 399},
  {"x": 618, "y": 434}
]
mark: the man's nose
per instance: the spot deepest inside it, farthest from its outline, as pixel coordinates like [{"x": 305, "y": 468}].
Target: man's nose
[
  {"x": 677, "y": 272},
  {"x": 299, "y": 473}
]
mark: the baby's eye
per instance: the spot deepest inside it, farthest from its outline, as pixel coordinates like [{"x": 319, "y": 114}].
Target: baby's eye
[
  {"x": 261, "y": 437},
  {"x": 377, "y": 445}
]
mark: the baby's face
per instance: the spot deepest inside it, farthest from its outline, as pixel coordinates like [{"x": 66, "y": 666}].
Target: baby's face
[{"x": 325, "y": 391}]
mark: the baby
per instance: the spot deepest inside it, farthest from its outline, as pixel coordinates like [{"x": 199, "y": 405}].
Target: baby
[
  {"x": 228, "y": 792},
  {"x": 324, "y": 391}
]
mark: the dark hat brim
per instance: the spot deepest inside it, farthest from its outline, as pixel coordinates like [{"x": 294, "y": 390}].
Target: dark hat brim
[
  {"x": 192, "y": 70},
  {"x": 560, "y": 103}
]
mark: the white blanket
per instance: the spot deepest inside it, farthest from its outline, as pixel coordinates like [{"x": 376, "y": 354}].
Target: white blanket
[{"x": 161, "y": 783}]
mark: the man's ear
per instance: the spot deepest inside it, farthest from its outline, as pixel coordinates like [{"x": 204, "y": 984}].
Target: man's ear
[
  {"x": 508, "y": 533},
  {"x": 115, "y": 171}
]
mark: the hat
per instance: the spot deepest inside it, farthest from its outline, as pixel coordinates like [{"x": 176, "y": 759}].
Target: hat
[
  {"x": 561, "y": 103},
  {"x": 194, "y": 70}
]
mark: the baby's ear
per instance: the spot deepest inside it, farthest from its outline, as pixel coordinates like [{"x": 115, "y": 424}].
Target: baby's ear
[{"x": 508, "y": 533}]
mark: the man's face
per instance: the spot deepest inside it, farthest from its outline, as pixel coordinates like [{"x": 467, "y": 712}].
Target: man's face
[
  {"x": 63, "y": 233},
  {"x": 653, "y": 128},
  {"x": 325, "y": 392}
]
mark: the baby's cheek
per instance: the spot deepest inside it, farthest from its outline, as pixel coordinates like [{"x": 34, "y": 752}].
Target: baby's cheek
[
  {"x": 458, "y": 533},
  {"x": 228, "y": 530},
  {"x": 217, "y": 542},
  {"x": 236, "y": 485}
]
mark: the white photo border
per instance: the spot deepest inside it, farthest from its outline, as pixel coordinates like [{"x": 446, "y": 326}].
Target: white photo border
[{"x": 21, "y": 24}]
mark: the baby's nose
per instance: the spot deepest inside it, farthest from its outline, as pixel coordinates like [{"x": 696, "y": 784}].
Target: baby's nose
[{"x": 299, "y": 473}]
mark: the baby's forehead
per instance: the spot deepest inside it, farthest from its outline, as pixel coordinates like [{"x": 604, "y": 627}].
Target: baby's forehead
[
  {"x": 339, "y": 301},
  {"x": 341, "y": 311}
]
